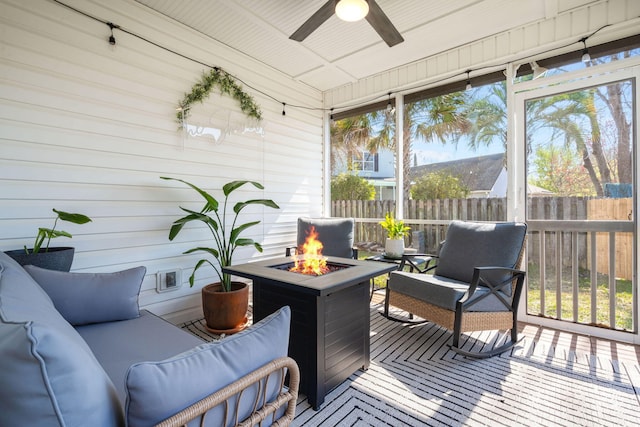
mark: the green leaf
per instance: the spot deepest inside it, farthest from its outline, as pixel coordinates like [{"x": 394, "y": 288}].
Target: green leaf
[
  {"x": 241, "y": 205},
  {"x": 58, "y": 233},
  {"x": 75, "y": 218},
  {"x": 233, "y": 185},
  {"x": 212, "y": 203},
  {"x": 193, "y": 273},
  {"x": 245, "y": 242},
  {"x": 236, "y": 231},
  {"x": 211, "y": 251}
]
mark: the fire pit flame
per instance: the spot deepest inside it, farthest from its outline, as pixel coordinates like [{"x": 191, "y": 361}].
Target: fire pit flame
[{"x": 312, "y": 262}]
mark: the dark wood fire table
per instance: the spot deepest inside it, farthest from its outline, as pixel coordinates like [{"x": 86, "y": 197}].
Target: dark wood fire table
[{"x": 329, "y": 316}]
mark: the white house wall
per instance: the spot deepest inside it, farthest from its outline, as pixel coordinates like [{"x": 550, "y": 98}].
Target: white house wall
[{"x": 90, "y": 128}]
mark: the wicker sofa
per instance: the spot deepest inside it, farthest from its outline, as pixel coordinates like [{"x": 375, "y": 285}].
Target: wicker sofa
[{"x": 75, "y": 350}]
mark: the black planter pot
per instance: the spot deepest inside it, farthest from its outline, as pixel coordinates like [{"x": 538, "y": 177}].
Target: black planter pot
[{"x": 54, "y": 259}]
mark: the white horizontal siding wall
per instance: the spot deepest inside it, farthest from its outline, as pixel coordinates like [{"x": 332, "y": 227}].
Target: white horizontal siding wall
[
  {"x": 85, "y": 127},
  {"x": 567, "y": 22}
]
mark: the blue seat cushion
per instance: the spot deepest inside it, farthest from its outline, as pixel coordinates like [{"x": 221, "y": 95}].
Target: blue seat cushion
[
  {"x": 118, "y": 345},
  {"x": 441, "y": 291}
]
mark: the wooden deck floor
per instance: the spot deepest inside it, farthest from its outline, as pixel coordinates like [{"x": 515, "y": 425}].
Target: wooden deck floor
[{"x": 571, "y": 342}]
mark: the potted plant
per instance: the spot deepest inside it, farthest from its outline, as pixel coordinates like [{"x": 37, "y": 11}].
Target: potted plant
[
  {"x": 396, "y": 230},
  {"x": 224, "y": 303},
  {"x": 57, "y": 258}
]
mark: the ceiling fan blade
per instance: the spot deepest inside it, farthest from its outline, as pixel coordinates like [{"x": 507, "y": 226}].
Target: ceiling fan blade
[
  {"x": 315, "y": 21},
  {"x": 379, "y": 21}
]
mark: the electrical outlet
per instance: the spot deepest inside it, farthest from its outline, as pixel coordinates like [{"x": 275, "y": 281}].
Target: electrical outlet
[{"x": 168, "y": 280}]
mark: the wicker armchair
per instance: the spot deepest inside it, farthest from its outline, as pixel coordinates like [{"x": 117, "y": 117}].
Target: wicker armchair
[
  {"x": 336, "y": 235},
  {"x": 475, "y": 283}
]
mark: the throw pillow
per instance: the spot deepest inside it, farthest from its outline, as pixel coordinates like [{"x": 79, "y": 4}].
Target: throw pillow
[{"x": 84, "y": 298}]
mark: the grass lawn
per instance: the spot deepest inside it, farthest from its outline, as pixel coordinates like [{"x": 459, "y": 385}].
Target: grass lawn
[{"x": 623, "y": 298}]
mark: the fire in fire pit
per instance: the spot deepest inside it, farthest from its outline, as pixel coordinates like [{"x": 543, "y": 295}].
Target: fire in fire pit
[{"x": 312, "y": 262}]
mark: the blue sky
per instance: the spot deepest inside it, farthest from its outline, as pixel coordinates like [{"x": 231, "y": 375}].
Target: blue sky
[{"x": 435, "y": 152}]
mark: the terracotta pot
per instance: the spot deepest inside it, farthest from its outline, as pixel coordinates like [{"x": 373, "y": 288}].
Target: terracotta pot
[
  {"x": 225, "y": 312},
  {"x": 59, "y": 258}
]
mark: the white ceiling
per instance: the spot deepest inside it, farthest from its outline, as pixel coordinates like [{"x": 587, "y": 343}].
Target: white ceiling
[{"x": 338, "y": 52}]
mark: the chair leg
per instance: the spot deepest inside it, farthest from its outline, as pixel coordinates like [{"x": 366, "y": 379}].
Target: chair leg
[
  {"x": 455, "y": 345},
  {"x": 386, "y": 302},
  {"x": 457, "y": 327},
  {"x": 388, "y": 317},
  {"x": 486, "y": 354}
]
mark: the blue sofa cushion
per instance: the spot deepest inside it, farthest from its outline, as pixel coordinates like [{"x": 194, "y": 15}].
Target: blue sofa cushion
[
  {"x": 158, "y": 390},
  {"x": 48, "y": 374},
  {"x": 118, "y": 345},
  {"x": 473, "y": 244},
  {"x": 84, "y": 298}
]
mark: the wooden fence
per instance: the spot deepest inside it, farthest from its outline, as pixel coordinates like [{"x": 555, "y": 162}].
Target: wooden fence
[
  {"x": 613, "y": 209},
  {"x": 429, "y": 218}
]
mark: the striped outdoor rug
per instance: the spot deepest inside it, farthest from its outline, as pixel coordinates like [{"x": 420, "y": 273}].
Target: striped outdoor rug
[{"x": 415, "y": 380}]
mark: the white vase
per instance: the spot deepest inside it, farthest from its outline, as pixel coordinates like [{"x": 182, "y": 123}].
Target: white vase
[{"x": 394, "y": 248}]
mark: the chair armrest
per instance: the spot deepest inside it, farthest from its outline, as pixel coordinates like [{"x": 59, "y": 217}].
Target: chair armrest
[
  {"x": 410, "y": 260},
  {"x": 479, "y": 279},
  {"x": 287, "y": 396}
]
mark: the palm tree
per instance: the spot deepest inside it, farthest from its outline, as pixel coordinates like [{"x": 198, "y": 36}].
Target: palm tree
[
  {"x": 573, "y": 116},
  {"x": 348, "y": 136},
  {"x": 430, "y": 120}
]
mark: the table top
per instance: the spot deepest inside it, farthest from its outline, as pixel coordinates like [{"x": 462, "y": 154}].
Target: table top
[{"x": 359, "y": 271}]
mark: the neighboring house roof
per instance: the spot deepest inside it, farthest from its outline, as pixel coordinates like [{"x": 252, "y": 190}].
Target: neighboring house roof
[{"x": 476, "y": 173}]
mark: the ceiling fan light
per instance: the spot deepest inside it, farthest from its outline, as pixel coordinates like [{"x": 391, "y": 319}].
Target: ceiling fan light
[{"x": 352, "y": 10}]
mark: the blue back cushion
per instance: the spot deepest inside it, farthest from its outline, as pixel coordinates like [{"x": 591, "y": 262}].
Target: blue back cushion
[
  {"x": 84, "y": 298},
  {"x": 336, "y": 234},
  {"x": 48, "y": 375},
  {"x": 473, "y": 244},
  {"x": 158, "y": 390}
]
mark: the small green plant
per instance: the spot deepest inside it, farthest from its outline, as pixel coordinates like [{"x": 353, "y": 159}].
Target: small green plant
[
  {"x": 395, "y": 229},
  {"x": 226, "y": 235},
  {"x": 52, "y": 233}
]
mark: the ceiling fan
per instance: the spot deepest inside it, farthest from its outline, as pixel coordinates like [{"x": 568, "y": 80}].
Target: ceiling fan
[{"x": 351, "y": 10}]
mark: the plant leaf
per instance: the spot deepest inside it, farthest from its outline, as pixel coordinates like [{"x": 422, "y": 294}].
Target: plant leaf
[
  {"x": 75, "y": 218},
  {"x": 236, "y": 231},
  {"x": 233, "y": 185},
  {"x": 212, "y": 203},
  {"x": 266, "y": 202},
  {"x": 212, "y": 251}
]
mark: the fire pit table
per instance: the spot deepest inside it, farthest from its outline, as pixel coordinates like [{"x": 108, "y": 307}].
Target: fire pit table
[{"x": 329, "y": 316}]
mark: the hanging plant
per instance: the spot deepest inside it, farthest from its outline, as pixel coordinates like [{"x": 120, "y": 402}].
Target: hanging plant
[{"x": 227, "y": 85}]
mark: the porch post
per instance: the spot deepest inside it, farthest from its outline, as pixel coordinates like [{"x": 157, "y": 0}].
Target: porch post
[
  {"x": 326, "y": 162},
  {"x": 516, "y": 189},
  {"x": 399, "y": 156}
]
